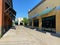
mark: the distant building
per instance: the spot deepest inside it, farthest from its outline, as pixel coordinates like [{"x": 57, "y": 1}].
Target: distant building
[
  {"x": 46, "y": 16},
  {"x": 7, "y": 15},
  {"x": 19, "y": 20}
]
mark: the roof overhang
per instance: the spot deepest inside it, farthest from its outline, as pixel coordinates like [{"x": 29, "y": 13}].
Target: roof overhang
[{"x": 46, "y": 11}]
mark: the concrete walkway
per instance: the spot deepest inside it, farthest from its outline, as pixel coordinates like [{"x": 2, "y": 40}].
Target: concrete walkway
[{"x": 26, "y": 36}]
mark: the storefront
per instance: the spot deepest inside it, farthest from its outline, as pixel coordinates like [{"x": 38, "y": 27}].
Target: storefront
[
  {"x": 49, "y": 23},
  {"x": 30, "y": 22},
  {"x": 36, "y": 23},
  {"x": 48, "y": 14}
]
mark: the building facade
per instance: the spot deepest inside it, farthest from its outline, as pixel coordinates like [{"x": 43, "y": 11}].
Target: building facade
[
  {"x": 45, "y": 16},
  {"x": 7, "y": 15},
  {"x": 20, "y": 21}
]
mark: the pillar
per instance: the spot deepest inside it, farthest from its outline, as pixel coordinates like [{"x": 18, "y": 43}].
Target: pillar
[
  {"x": 58, "y": 22},
  {"x": 32, "y": 23},
  {"x": 40, "y": 23}
]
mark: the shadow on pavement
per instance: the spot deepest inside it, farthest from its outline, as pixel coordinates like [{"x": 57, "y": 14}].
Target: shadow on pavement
[
  {"x": 52, "y": 33},
  {"x": 13, "y": 27},
  {"x": 44, "y": 31},
  {"x": 29, "y": 27}
]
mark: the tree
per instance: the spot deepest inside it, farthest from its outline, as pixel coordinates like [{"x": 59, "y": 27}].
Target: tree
[
  {"x": 16, "y": 21},
  {"x": 25, "y": 21}
]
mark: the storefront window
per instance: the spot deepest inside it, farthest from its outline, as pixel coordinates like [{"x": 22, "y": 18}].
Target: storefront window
[
  {"x": 49, "y": 22},
  {"x": 36, "y": 23},
  {"x": 30, "y": 23}
]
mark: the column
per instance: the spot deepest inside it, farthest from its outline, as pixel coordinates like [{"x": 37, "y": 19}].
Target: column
[
  {"x": 58, "y": 22},
  {"x": 40, "y": 23},
  {"x": 32, "y": 23}
]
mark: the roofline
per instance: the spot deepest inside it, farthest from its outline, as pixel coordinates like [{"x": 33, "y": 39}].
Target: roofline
[{"x": 36, "y": 6}]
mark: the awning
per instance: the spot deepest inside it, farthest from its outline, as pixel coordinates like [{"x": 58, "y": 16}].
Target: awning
[
  {"x": 46, "y": 11},
  {"x": 34, "y": 16}
]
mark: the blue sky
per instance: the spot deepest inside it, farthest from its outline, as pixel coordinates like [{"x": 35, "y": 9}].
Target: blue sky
[{"x": 22, "y": 7}]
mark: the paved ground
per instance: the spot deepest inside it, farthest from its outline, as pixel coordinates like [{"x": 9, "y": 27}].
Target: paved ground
[{"x": 26, "y": 36}]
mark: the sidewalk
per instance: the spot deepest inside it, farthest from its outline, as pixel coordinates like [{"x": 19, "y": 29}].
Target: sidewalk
[{"x": 26, "y": 36}]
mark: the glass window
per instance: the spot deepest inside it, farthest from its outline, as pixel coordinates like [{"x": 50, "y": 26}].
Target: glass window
[
  {"x": 49, "y": 22},
  {"x": 36, "y": 23}
]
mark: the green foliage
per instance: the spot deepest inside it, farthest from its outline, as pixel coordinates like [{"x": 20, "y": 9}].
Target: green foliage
[
  {"x": 0, "y": 36},
  {"x": 25, "y": 21},
  {"x": 16, "y": 22}
]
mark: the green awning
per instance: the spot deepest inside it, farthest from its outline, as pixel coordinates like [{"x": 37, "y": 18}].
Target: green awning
[{"x": 46, "y": 11}]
